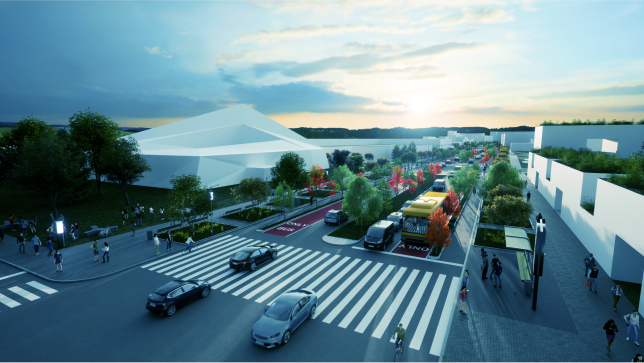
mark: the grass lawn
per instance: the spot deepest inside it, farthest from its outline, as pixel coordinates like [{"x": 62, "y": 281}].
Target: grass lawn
[
  {"x": 632, "y": 291},
  {"x": 201, "y": 231},
  {"x": 350, "y": 230},
  {"x": 252, "y": 214},
  {"x": 495, "y": 238}
]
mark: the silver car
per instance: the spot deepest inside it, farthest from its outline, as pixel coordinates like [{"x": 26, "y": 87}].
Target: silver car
[
  {"x": 281, "y": 319},
  {"x": 397, "y": 218}
]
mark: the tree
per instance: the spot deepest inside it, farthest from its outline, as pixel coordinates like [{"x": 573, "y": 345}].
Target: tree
[
  {"x": 420, "y": 177},
  {"x": 316, "y": 181},
  {"x": 385, "y": 192},
  {"x": 396, "y": 152},
  {"x": 94, "y": 132},
  {"x": 485, "y": 149},
  {"x": 464, "y": 156},
  {"x": 490, "y": 153},
  {"x": 436, "y": 152},
  {"x": 188, "y": 198},
  {"x": 358, "y": 162},
  {"x": 438, "y": 233},
  {"x": 123, "y": 164},
  {"x": 284, "y": 197},
  {"x": 404, "y": 149},
  {"x": 382, "y": 161},
  {"x": 370, "y": 165},
  {"x": 451, "y": 202},
  {"x": 368, "y": 156},
  {"x": 398, "y": 162},
  {"x": 343, "y": 177},
  {"x": 438, "y": 169},
  {"x": 53, "y": 168},
  {"x": 503, "y": 173},
  {"x": 412, "y": 147},
  {"x": 486, "y": 158},
  {"x": 339, "y": 157},
  {"x": 361, "y": 190},
  {"x": 251, "y": 188},
  {"x": 409, "y": 158},
  {"x": 376, "y": 172},
  {"x": 396, "y": 178},
  {"x": 290, "y": 168},
  {"x": 432, "y": 170},
  {"x": 464, "y": 180},
  {"x": 501, "y": 190},
  {"x": 508, "y": 210}
]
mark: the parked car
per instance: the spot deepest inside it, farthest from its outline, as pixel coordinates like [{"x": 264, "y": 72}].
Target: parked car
[
  {"x": 397, "y": 218},
  {"x": 281, "y": 319},
  {"x": 439, "y": 184},
  {"x": 444, "y": 164},
  {"x": 379, "y": 235},
  {"x": 470, "y": 161},
  {"x": 177, "y": 293},
  {"x": 458, "y": 167},
  {"x": 450, "y": 174},
  {"x": 448, "y": 161},
  {"x": 249, "y": 257},
  {"x": 335, "y": 216}
]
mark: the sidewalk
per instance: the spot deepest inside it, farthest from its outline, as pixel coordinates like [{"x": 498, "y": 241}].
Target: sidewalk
[{"x": 567, "y": 325}]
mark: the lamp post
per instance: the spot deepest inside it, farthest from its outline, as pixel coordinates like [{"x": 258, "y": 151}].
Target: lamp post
[
  {"x": 60, "y": 234},
  {"x": 212, "y": 198},
  {"x": 361, "y": 208}
]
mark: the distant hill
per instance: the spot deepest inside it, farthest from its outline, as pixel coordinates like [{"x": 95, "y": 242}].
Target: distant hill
[
  {"x": 395, "y": 133},
  {"x": 125, "y": 129}
]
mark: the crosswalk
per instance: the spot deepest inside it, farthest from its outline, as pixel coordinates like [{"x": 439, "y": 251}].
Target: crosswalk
[
  {"x": 356, "y": 294},
  {"x": 18, "y": 295}
]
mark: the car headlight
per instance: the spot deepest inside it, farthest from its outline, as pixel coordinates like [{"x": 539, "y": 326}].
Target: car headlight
[{"x": 274, "y": 335}]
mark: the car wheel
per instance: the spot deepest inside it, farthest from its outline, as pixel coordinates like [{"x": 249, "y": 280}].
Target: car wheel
[
  {"x": 205, "y": 292},
  {"x": 171, "y": 310},
  {"x": 312, "y": 314},
  {"x": 274, "y": 255},
  {"x": 286, "y": 336},
  {"x": 253, "y": 266}
]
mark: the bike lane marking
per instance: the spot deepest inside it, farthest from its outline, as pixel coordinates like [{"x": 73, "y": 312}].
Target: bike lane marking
[
  {"x": 411, "y": 249},
  {"x": 298, "y": 224}
]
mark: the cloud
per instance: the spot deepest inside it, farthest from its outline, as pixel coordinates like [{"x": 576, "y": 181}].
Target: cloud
[
  {"x": 639, "y": 108},
  {"x": 435, "y": 17},
  {"x": 154, "y": 50},
  {"x": 168, "y": 56},
  {"x": 493, "y": 111},
  {"x": 409, "y": 73},
  {"x": 606, "y": 92},
  {"x": 308, "y": 31},
  {"x": 262, "y": 69},
  {"x": 478, "y": 16},
  {"x": 242, "y": 55},
  {"x": 377, "y": 47}
]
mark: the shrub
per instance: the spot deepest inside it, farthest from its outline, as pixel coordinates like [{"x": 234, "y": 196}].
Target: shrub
[
  {"x": 589, "y": 205},
  {"x": 502, "y": 189}
]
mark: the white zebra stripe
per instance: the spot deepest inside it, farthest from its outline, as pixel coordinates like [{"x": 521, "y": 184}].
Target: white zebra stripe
[
  {"x": 41, "y": 287},
  {"x": 328, "y": 300},
  {"x": 198, "y": 254},
  {"x": 441, "y": 330},
  {"x": 208, "y": 260},
  {"x": 243, "y": 273},
  {"x": 415, "y": 300},
  {"x": 9, "y": 302},
  {"x": 225, "y": 267},
  {"x": 266, "y": 274},
  {"x": 386, "y": 319},
  {"x": 175, "y": 256},
  {"x": 367, "y": 295},
  {"x": 381, "y": 300},
  {"x": 417, "y": 340},
  {"x": 336, "y": 278},
  {"x": 24, "y": 293}
]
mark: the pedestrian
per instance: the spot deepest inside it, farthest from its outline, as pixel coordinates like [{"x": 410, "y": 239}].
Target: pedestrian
[
  {"x": 52, "y": 220},
  {"x": 611, "y": 329},
  {"x": 123, "y": 216},
  {"x": 51, "y": 232},
  {"x": 528, "y": 195},
  {"x": 72, "y": 232},
  {"x": 168, "y": 247},
  {"x": 132, "y": 226},
  {"x": 76, "y": 230},
  {"x": 272, "y": 192},
  {"x": 463, "y": 297},
  {"x": 106, "y": 252},
  {"x": 161, "y": 213},
  {"x": 156, "y": 244},
  {"x": 127, "y": 216},
  {"x": 134, "y": 211},
  {"x": 139, "y": 217},
  {"x": 58, "y": 261},
  {"x": 632, "y": 322},
  {"x": 474, "y": 191},
  {"x": 496, "y": 273},
  {"x": 151, "y": 213},
  {"x": 23, "y": 225},
  {"x": 35, "y": 241},
  {"x": 311, "y": 200},
  {"x": 589, "y": 262},
  {"x": 495, "y": 261},
  {"x": 32, "y": 226},
  {"x": 50, "y": 246},
  {"x": 592, "y": 278},
  {"x": 142, "y": 210},
  {"x": 638, "y": 358},
  {"x": 95, "y": 250},
  {"x": 466, "y": 278},
  {"x": 1, "y": 235},
  {"x": 484, "y": 267},
  {"x": 11, "y": 222},
  {"x": 21, "y": 243},
  {"x": 617, "y": 294}
]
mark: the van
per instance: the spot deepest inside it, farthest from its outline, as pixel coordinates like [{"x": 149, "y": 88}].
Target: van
[
  {"x": 335, "y": 216},
  {"x": 379, "y": 235},
  {"x": 397, "y": 218},
  {"x": 439, "y": 185}
]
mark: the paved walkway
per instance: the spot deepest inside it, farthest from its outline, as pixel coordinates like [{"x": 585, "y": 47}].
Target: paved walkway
[{"x": 487, "y": 334}]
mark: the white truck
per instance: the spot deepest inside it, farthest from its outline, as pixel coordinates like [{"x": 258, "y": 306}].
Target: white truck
[{"x": 439, "y": 184}]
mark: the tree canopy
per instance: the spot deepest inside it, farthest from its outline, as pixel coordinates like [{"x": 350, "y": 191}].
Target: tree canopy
[
  {"x": 284, "y": 197},
  {"x": 187, "y": 198},
  {"x": 371, "y": 201},
  {"x": 251, "y": 188},
  {"x": 358, "y": 162},
  {"x": 290, "y": 168},
  {"x": 503, "y": 173},
  {"x": 396, "y": 152},
  {"x": 509, "y": 209},
  {"x": 368, "y": 156},
  {"x": 412, "y": 147},
  {"x": 382, "y": 161},
  {"x": 438, "y": 232},
  {"x": 409, "y": 157},
  {"x": 123, "y": 164},
  {"x": 502, "y": 189},
  {"x": 464, "y": 180},
  {"x": 343, "y": 177},
  {"x": 339, "y": 157}
]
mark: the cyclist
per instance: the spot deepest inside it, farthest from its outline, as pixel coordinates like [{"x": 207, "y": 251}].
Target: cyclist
[{"x": 402, "y": 336}]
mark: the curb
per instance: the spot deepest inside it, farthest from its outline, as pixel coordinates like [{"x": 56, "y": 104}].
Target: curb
[{"x": 331, "y": 240}]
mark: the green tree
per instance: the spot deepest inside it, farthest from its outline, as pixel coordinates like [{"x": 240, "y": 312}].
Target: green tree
[
  {"x": 94, "y": 132},
  {"x": 343, "y": 177},
  {"x": 382, "y": 161},
  {"x": 464, "y": 156},
  {"x": 291, "y": 169},
  {"x": 409, "y": 158},
  {"x": 376, "y": 172},
  {"x": 368, "y": 156},
  {"x": 54, "y": 168},
  {"x": 464, "y": 180},
  {"x": 508, "y": 210},
  {"x": 358, "y": 162},
  {"x": 385, "y": 191},
  {"x": 370, "y": 165},
  {"x": 398, "y": 162},
  {"x": 503, "y": 173},
  {"x": 123, "y": 164},
  {"x": 501, "y": 190},
  {"x": 284, "y": 197},
  {"x": 396, "y": 152},
  {"x": 371, "y": 202},
  {"x": 188, "y": 198},
  {"x": 339, "y": 157},
  {"x": 412, "y": 147},
  {"x": 253, "y": 189}
]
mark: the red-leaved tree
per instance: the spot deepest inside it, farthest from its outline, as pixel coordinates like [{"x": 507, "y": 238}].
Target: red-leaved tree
[
  {"x": 420, "y": 177},
  {"x": 438, "y": 169},
  {"x": 486, "y": 158},
  {"x": 438, "y": 233},
  {"x": 485, "y": 149},
  {"x": 432, "y": 170},
  {"x": 396, "y": 178},
  {"x": 451, "y": 202}
]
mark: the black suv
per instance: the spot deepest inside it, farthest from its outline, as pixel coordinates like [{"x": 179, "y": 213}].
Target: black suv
[{"x": 379, "y": 235}]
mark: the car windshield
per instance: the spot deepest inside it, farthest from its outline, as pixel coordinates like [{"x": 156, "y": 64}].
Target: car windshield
[
  {"x": 375, "y": 233},
  {"x": 393, "y": 218},
  {"x": 332, "y": 214},
  {"x": 240, "y": 256},
  {"x": 279, "y": 312}
]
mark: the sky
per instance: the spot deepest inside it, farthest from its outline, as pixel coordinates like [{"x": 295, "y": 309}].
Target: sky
[{"x": 350, "y": 64}]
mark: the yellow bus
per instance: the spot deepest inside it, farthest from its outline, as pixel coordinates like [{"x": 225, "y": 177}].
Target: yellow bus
[{"x": 415, "y": 216}]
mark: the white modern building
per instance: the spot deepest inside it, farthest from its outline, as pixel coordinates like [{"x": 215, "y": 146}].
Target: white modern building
[
  {"x": 621, "y": 139},
  {"x": 221, "y": 147}
]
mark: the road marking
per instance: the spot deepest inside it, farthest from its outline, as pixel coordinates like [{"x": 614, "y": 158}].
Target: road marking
[
  {"x": 8, "y": 276},
  {"x": 415, "y": 300},
  {"x": 284, "y": 258},
  {"x": 365, "y": 297},
  {"x": 337, "y": 278},
  {"x": 175, "y": 256},
  {"x": 386, "y": 319},
  {"x": 327, "y": 273},
  {"x": 274, "y": 268},
  {"x": 441, "y": 330},
  {"x": 203, "y": 251},
  {"x": 412, "y": 257},
  {"x": 208, "y": 260},
  {"x": 226, "y": 266},
  {"x": 328, "y": 300},
  {"x": 381, "y": 300},
  {"x": 417, "y": 340},
  {"x": 42, "y": 287},
  {"x": 9, "y": 302},
  {"x": 26, "y": 294}
]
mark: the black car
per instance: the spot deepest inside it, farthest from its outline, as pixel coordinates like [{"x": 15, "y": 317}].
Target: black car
[
  {"x": 167, "y": 298},
  {"x": 379, "y": 235},
  {"x": 249, "y": 257}
]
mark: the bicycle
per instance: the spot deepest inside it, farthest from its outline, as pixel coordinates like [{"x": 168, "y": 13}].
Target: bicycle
[{"x": 399, "y": 350}]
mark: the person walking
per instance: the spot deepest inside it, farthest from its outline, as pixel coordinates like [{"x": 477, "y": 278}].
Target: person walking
[
  {"x": 50, "y": 246},
  {"x": 466, "y": 278},
  {"x": 526, "y": 183},
  {"x": 123, "y": 214},
  {"x": 638, "y": 358},
  {"x": 35, "y": 241},
  {"x": 142, "y": 213},
  {"x": 95, "y": 249},
  {"x": 484, "y": 266},
  {"x": 76, "y": 230},
  {"x": 633, "y": 322},
  {"x": 127, "y": 216},
  {"x": 161, "y": 213},
  {"x": 139, "y": 217},
  {"x": 496, "y": 273},
  {"x": 11, "y": 222},
  {"x": 58, "y": 261},
  {"x": 51, "y": 232},
  {"x": 463, "y": 297},
  {"x": 611, "y": 329},
  {"x": 32, "y": 226},
  {"x": 617, "y": 294},
  {"x": 589, "y": 262},
  {"x": 1, "y": 235},
  {"x": 495, "y": 261},
  {"x": 151, "y": 213},
  {"x": 528, "y": 195},
  {"x": 592, "y": 278},
  {"x": 106, "y": 252},
  {"x": 156, "y": 244},
  {"x": 168, "y": 246},
  {"x": 21, "y": 243},
  {"x": 23, "y": 225},
  {"x": 133, "y": 227}
]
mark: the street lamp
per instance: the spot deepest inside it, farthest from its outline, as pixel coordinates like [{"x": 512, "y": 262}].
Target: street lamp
[
  {"x": 60, "y": 234},
  {"x": 212, "y": 198}
]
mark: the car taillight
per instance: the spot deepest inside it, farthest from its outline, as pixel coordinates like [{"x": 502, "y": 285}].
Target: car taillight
[{"x": 243, "y": 263}]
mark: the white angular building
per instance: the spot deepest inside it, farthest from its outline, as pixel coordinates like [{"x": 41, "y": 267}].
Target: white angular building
[{"x": 222, "y": 147}]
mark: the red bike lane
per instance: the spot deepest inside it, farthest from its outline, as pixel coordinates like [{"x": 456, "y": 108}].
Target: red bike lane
[
  {"x": 298, "y": 224},
  {"x": 411, "y": 249}
]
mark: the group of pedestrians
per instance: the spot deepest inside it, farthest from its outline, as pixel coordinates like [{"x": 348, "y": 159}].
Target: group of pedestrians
[
  {"x": 497, "y": 268},
  {"x": 139, "y": 214}
]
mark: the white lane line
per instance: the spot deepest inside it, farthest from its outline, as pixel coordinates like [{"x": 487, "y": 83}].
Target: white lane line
[
  {"x": 441, "y": 330},
  {"x": 182, "y": 256},
  {"x": 9, "y": 302},
  {"x": 42, "y": 287},
  {"x": 417, "y": 340},
  {"x": 169, "y": 258},
  {"x": 8, "y": 276},
  {"x": 24, "y": 293},
  {"x": 336, "y": 278},
  {"x": 329, "y": 300},
  {"x": 226, "y": 266},
  {"x": 327, "y": 273},
  {"x": 386, "y": 319},
  {"x": 197, "y": 255},
  {"x": 243, "y": 273},
  {"x": 208, "y": 260},
  {"x": 412, "y": 257},
  {"x": 287, "y": 272},
  {"x": 310, "y": 276},
  {"x": 268, "y": 273},
  {"x": 381, "y": 300},
  {"x": 365, "y": 297},
  {"x": 415, "y": 300}
]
